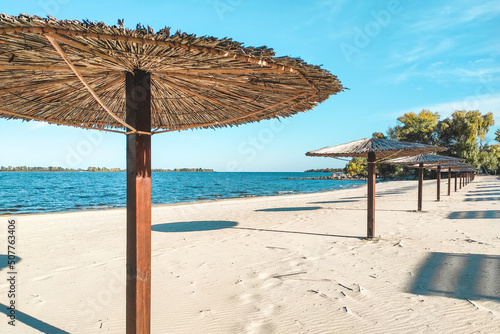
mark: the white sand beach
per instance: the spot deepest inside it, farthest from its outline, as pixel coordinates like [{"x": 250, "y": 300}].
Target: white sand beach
[{"x": 283, "y": 264}]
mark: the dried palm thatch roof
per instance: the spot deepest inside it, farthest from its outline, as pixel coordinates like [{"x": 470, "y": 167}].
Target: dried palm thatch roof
[
  {"x": 73, "y": 73},
  {"x": 425, "y": 159},
  {"x": 384, "y": 148}
]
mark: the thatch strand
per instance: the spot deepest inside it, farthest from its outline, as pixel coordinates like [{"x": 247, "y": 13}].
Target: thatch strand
[{"x": 196, "y": 82}]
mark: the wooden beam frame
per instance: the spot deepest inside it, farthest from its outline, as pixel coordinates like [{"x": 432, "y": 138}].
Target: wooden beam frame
[
  {"x": 449, "y": 181},
  {"x": 370, "y": 228},
  {"x": 438, "y": 195},
  {"x": 420, "y": 185},
  {"x": 456, "y": 181}
]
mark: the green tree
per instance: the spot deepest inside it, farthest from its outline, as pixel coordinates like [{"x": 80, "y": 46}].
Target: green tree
[
  {"x": 489, "y": 158},
  {"x": 416, "y": 128},
  {"x": 463, "y": 131},
  {"x": 357, "y": 166}
]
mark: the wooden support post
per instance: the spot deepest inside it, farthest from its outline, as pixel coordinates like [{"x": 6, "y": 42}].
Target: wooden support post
[
  {"x": 449, "y": 181},
  {"x": 455, "y": 181},
  {"x": 138, "y": 115},
  {"x": 420, "y": 185},
  {"x": 371, "y": 195},
  {"x": 438, "y": 183},
  {"x": 461, "y": 180}
]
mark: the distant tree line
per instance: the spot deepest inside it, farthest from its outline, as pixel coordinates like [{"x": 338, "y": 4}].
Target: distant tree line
[
  {"x": 192, "y": 170},
  {"x": 325, "y": 170},
  {"x": 182, "y": 170},
  {"x": 57, "y": 169},
  {"x": 91, "y": 169}
]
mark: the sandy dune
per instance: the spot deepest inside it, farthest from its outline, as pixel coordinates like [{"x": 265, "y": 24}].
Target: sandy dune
[{"x": 284, "y": 264}]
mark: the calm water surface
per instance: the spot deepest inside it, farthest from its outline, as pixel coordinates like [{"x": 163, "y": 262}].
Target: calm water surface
[{"x": 37, "y": 192}]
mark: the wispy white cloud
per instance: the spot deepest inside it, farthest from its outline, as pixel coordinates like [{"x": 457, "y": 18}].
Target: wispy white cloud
[
  {"x": 445, "y": 72},
  {"x": 424, "y": 50},
  {"x": 35, "y": 125},
  {"x": 447, "y": 42},
  {"x": 457, "y": 13}
]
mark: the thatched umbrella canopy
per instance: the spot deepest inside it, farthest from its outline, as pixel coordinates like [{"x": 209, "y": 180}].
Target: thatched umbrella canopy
[
  {"x": 140, "y": 83},
  {"x": 420, "y": 161},
  {"x": 425, "y": 159},
  {"x": 74, "y": 73},
  {"x": 383, "y": 148},
  {"x": 375, "y": 150}
]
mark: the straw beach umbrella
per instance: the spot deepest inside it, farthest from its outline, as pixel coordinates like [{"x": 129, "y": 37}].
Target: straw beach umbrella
[
  {"x": 425, "y": 160},
  {"x": 375, "y": 150},
  {"x": 140, "y": 83}
]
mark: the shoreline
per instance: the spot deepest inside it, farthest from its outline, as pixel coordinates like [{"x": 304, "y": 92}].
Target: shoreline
[{"x": 5, "y": 214}]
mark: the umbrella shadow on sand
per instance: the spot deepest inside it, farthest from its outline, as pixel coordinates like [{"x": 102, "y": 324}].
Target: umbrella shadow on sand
[
  {"x": 4, "y": 261},
  {"x": 297, "y": 208},
  {"x": 20, "y": 316},
  {"x": 462, "y": 276},
  {"x": 212, "y": 225},
  {"x": 334, "y": 202},
  {"x": 487, "y": 214},
  {"x": 33, "y": 322},
  {"x": 193, "y": 226}
]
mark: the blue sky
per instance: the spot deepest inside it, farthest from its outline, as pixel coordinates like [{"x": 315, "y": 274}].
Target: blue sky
[{"x": 394, "y": 56}]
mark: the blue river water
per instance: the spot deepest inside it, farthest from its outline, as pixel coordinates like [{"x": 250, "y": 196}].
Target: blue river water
[{"x": 39, "y": 192}]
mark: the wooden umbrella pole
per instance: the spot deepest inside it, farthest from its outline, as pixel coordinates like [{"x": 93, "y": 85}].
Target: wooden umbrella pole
[
  {"x": 420, "y": 185},
  {"x": 138, "y": 111},
  {"x": 438, "y": 183},
  {"x": 461, "y": 180},
  {"x": 449, "y": 181},
  {"x": 371, "y": 195},
  {"x": 455, "y": 181}
]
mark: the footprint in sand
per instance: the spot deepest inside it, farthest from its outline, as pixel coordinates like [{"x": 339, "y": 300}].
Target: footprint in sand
[
  {"x": 42, "y": 278},
  {"x": 260, "y": 314},
  {"x": 35, "y": 299}
]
